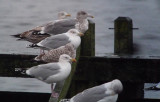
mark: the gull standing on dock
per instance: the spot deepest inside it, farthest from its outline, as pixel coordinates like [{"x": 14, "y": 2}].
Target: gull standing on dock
[
  {"x": 54, "y": 54},
  {"x": 52, "y": 73},
  {"x": 107, "y": 92},
  {"x": 34, "y": 35},
  {"x": 55, "y": 41}
]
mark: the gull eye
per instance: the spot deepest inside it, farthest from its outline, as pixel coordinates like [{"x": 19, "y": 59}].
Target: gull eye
[
  {"x": 73, "y": 32},
  {"x": 66, "y": 57},
  {"x": 83, "y": 13}
]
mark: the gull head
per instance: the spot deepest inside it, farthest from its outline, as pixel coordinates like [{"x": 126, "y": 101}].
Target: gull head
[
  {"x": 117, "y": 86},
  {"x": 66, "y": 58},
  {"x": 75, "y": 32},
  {"x": 83, "y": 15},
  {"x": 63, "y": 15}
]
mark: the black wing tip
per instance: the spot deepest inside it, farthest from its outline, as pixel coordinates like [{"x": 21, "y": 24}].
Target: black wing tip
[
  {"x": 21, "y": 70},
  {"x": 33, "y": 45}
]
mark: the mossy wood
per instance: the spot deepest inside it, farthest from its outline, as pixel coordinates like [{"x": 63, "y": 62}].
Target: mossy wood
[
  {"x": 133, "y": 72},
  {"x": 123, "y": 35},
  {"x": 88, "y": 41},
  {"x": 63, "y": 87},
  {"x": 125, "y": 69}
]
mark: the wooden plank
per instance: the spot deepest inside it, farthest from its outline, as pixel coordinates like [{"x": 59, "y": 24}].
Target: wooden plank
[
  {"x": 17, "y": 84},
  {"x": 8, "y": 63},
  {"x": 125, "y": 69},
  {"x": 133, "y": 72},
  {"x": 23, "y": 97},
  {"x": 136, "y": 69}
]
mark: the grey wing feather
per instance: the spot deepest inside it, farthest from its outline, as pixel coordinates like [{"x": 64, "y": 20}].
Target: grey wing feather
[
  {"x": 55, "y": 41},
  {"x": 90, "y": 95},
  {"x": 59, "y": 27},
  {"x": 44, "y": 71}
]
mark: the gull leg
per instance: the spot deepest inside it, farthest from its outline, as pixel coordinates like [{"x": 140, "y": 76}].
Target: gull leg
[
  {"x": 54, "y": 94},
  {"x": 41, "y": 51}
]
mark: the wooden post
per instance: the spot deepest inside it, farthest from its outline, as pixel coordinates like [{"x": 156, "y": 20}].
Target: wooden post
[
  {"x": 87, "y": 48},
  {"x": 88, "y": 41},
  {"x": 123, "y": 36},
  {"x": 63, "y": 87}
]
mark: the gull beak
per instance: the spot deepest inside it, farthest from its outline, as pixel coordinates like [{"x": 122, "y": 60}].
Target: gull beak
[
  {"x": 91, "y": 16},
  {"x": 73, "y": 60},
  {"x": 81, "y": 34},
  {"x": 68, "y": 15}
]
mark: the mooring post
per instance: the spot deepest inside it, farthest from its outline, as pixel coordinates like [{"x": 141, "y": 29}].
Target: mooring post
[
  {"x": 123, "y": 35},
  {"x": 87, "y": 48},
  {"x": 88, "y": 41}
]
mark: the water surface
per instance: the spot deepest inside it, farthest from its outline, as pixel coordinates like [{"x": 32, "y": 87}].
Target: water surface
[{"x": 20, "y": 15}]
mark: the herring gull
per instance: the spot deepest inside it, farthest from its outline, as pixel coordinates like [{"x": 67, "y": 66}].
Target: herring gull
[
  {"x": 56, "y": 27},
  {"x": 54, "y": 54},
  {"x": 107, "y": 92},
  {"x": 55, "y": 41},
  {"x": 61, "y": 26},
  {"x": 34, "y": 36},
  {"x": 52, "y": 73}
]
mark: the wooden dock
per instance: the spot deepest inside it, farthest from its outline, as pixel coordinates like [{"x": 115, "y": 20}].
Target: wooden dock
[{"x": 90, "y": 71}]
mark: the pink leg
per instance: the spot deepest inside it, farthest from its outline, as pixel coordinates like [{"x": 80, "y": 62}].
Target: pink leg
[
  {"x": 41, "y": 51},
  {"x": 54, "y": 94}
]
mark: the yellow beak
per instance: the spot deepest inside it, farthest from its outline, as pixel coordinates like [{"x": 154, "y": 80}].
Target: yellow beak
[
  {"x": 91, "y": 16},
  {"x": 68, "y": 15},
  {"x": 81, "y": 34},
  {"x": 73, "y": 60}
]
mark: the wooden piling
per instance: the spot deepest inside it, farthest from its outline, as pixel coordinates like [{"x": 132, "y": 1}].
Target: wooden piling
[
  {"x": 88, "y": 41},
  {"x": 64, "y": 86},
  {"x": 87, "y": 48},
  {"x": 123, "y": 36}
]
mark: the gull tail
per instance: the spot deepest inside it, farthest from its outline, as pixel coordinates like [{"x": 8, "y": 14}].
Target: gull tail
[
  {"x": 39, "y": 57},
  {"x": 21, "y": 70}
]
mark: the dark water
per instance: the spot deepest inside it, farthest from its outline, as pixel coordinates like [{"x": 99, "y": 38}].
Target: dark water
[{"x": 20, "y": 15}]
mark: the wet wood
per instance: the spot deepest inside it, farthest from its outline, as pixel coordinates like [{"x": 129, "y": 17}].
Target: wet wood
[
  {"x": 88, "y": 41},
  {"x": 123, "y": 35},
  {"x": 63, "y": 87}
]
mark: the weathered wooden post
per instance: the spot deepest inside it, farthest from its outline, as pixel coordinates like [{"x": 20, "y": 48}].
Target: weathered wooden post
[
  {"x": 88, "y": 41},
  {"x": 123, "y": 35},
  {"x": 87, "y": 48}
]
